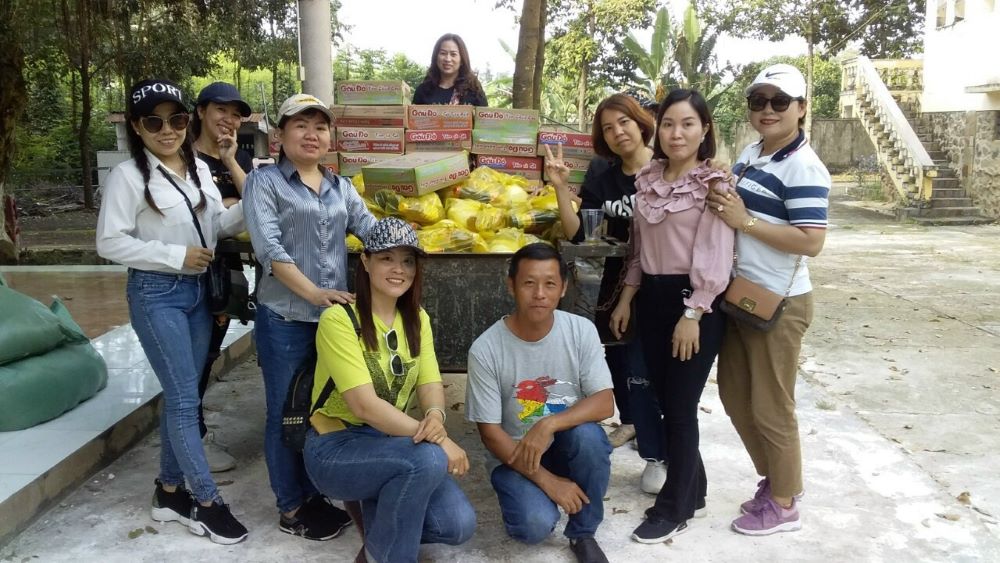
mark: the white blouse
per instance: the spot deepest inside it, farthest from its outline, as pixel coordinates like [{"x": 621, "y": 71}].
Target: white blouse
[{"x": 133, "y": 234}]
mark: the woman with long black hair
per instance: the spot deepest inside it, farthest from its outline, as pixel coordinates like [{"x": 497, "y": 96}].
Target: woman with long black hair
[{"x": 450, "y": 80}]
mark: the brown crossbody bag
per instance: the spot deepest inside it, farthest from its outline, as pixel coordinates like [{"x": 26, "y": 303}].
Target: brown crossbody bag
[{"x": 752, "y": 304}]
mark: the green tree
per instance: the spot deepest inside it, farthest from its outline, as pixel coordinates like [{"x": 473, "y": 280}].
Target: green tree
[
  {"x": 399, "y": 67},
  {"x": 656, "y": 64},
  {"x": 13, "y": 99},
  {"x": 696, "y": 59}
]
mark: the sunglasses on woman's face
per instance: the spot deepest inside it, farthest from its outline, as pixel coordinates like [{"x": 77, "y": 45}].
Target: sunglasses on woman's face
[
  {"x": 779, "y": 102},
  {"x": 177, "y": 121},
  {"x": 395, "y": 362}
]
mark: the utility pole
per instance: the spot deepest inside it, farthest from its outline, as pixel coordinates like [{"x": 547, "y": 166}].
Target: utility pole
[{"x": 315, "y": 50}]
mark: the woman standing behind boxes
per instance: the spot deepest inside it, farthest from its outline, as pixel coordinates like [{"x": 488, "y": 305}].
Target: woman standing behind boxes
[
  {"x": 298, "y": 215},
  {"x": 621, "y": 131},
  {"x": 450, "y": 80},
  {"x": 160, "y": 217}
]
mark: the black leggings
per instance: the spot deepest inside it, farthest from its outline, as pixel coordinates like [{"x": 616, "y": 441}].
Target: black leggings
[{"x": 678, "y": 388}]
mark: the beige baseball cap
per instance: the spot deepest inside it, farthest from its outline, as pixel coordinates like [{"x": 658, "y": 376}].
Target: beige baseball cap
[{"x": 301, "y": 102}]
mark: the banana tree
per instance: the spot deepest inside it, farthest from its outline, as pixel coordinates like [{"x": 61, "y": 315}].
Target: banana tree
[
  {"x": 656, "y": 64},
  {"x": 695, "y": 58}
]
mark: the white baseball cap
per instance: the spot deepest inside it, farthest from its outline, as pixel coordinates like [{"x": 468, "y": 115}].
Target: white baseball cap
[
  {"x": 784, "y": 77},
  {"x": 301, "y": 102}
]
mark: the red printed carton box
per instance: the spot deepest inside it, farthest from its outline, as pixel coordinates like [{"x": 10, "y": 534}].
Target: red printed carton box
[
  {"x": 522, "y": 121},
  {"x": 439, "y": 117},
  {"x": 370, "y": 139},
  {"x": 372, "y": 93},
  {"x": 351, "y": 163},
  {"x": 417, "y": 173},
  {"x": 530, "y": 168},
  {"x": 438, "y": 140},
  {"x": 503, "y": 143},
  {"x": 331, "y": 161},
  {"x": 577, "y": 169},
  {"x": 369, "y": 116},
  {"x": 574, "y": 144}
]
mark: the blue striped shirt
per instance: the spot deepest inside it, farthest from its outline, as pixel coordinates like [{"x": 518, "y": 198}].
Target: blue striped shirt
[
  {"x": 289, "y": 222},
  {"x": 789, "y": 187}
]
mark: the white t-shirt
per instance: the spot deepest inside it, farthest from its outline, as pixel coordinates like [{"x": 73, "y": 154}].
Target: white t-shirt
[
  {"x": 789, "y": 187},
  {"x": 515, "y": 383},
  {"x": 133, "y": 234}
]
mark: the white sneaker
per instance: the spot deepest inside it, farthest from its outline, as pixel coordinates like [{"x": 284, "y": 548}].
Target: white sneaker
[
  {"x": 218, "y": 458},
  {"x": 653, "y": 477}
]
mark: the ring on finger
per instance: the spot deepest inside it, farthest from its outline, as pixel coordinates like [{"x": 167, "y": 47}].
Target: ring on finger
[{"x": 720, "y": 208}]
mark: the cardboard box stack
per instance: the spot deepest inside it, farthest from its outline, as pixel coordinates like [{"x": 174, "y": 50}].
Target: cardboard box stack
[
  {"x": 506, "y": 139},
  {"x": 438, "y": 128},
  {"x": 370, "y": 119},
  {"x": 577, "y": 151},
  {"x": 417, "y": 173}
]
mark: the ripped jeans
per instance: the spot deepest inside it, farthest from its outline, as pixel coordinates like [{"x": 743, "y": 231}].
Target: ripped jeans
[{"x": 627, "y": 362}]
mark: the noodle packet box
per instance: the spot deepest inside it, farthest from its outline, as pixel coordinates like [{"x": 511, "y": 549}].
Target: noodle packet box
[
  {"x": 352, "y": 163},
  {"x": 417, "y": 173},
  {"x": 369, "y": 116},
  {"x": 518, "y": 122},
  {"x": 504, "y": 143},
  {"x": 574, "y": 144},
  {"x": 439, "y": 117},
  {"x": 530, "y": 168},
  {"x": 438, "y": 140},
  {"x": 331, "y": 161},
  {"x": 372, "y": 93},
  {"x": 370, "y": 139},
  {"x": 577, "y": 169}
]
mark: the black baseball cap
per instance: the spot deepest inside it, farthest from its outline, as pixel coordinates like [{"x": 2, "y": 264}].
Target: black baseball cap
[
  {"x": 144, "y": 96},
  {"x": 223, "y": 93}
]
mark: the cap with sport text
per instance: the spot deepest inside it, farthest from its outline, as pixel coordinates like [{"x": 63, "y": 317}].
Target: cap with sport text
[
  {"x": 223, "y": 93},
  {"x": 784, "y": 77},
  {"x": 389, "y": 233},
  {"x": 146, "y": 95},
  {"x": 300, "y": 103}
]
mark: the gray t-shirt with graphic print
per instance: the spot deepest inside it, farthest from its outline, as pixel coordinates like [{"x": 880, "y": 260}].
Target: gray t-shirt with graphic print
[{"x": 515, "y": 383}]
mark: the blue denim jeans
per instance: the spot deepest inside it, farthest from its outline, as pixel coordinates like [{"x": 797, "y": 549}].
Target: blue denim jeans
[
  {"x": 281, "y": 347},
  {"x": 628, "y": 364},
  {"x": 170, "y": 316},
  {"x": 406, "y": 494},
  {"x": 581, "y": 454}
]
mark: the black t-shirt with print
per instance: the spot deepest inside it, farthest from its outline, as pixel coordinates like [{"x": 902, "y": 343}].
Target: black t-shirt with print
[
  {"x": 613, "y": 191},
  {"x": 221, "y": 175}
]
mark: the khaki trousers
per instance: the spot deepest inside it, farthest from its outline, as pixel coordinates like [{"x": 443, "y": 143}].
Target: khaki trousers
[{"x": 757, "y": 373}]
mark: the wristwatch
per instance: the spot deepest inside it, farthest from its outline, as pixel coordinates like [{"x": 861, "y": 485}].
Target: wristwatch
[{"x": 693, "y": 314}]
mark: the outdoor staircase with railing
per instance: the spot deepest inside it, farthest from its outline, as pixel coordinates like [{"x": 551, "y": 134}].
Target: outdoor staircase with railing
[{"x": 885, "y": 97}]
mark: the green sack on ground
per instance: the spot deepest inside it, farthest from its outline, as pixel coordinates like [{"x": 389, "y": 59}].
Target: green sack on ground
[{"x": 28, "y": 328}]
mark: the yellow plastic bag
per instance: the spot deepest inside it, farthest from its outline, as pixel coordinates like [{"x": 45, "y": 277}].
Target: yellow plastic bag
[
  {"x": 490, "y": 218},
  {"x": 463, "y": 212},
  {"x": 512, "y": 195},
  {"x": 359, "y": 183},
  {"x": 448, "y": 239},
  {"x": 425, "y": 209},
  {"x": 525, "y": 217},
  {"x": 354, "y": 244},
  {"x": 507, "y": 240}
]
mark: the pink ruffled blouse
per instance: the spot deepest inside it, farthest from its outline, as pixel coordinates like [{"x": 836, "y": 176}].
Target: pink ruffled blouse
[{"x": 673, "y": 234}]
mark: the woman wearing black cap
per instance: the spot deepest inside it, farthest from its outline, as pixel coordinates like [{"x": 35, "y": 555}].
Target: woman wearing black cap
[
  {"x": 218, "y": 113},
  {"x": 364, "y": 446},
  {"x": 161, "y": 216}
]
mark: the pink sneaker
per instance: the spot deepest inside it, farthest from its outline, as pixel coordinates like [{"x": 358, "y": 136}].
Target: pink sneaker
[
  {"x": 768, "y": 518},
  {"x": 763, "y": 492}
]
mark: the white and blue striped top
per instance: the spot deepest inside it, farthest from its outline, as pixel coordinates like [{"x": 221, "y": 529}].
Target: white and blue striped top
[
  {"x": 288, "y": 222},
  {"x": 789, "y": 187}
]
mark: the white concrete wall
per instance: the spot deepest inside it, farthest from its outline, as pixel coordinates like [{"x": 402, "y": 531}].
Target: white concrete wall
[{"x": 960, "y": 54}]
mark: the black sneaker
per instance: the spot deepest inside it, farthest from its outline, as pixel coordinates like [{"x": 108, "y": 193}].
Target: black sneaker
[
  {"x": 656, "y": 529},
  {"x": 699, "y": 510},
  {"x": 217, "y": 522},
  {"x": 171, "y": 507},
  {"x": 587, "y": 550},
  {"x": 316, "y": 519}
]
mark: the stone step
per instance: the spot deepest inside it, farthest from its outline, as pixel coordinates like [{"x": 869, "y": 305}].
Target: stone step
[
  {"x": 948, "y": 193},
  {"x": 935, "y": 154},
  {"x": 950, "y": 201},
  {"x": 951, "y": 221},
  {"x": 932, "y": 146},
  {"x": 945, "y": 172},
  {"x": 925, "y": 137},
  {"x": 940, "y": 183},
  {"x": 968, "y": 211}
]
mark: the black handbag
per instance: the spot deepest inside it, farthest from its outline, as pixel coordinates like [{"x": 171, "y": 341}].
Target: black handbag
[{"x": 219, "y": 274}]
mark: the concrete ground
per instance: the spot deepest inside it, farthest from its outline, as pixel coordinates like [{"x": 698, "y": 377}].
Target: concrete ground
[{"x": 898, "y": 409}]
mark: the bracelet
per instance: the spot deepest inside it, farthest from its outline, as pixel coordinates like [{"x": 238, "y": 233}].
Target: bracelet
[
  {"x": 444, "y": 416},
  {"x": 749, "y": 225}
]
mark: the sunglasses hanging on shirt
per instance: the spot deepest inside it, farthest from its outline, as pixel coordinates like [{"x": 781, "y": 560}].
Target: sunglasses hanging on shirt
[
  {"x": 395, "y": 362},
  {"x": 154, "y": 123}
]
